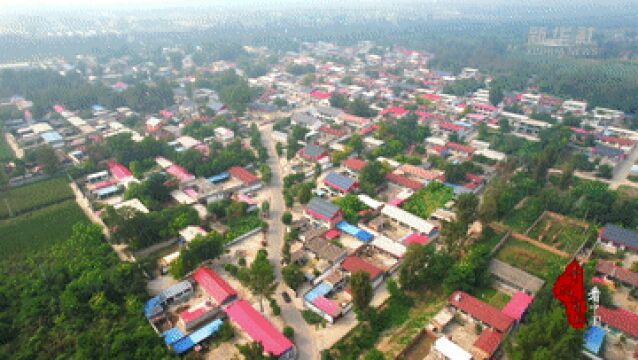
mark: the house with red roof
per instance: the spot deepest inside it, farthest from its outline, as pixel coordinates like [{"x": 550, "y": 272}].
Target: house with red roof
[
  {"x": 198, "y": 315},
  {"x": 416, "y": 238},
  {"x": 484, "y": 109},
  {"x": 324, "y": 211},
  {"x": 321, "y": 95},
  {"x": 353, "y": 264},
  {"x": 433, "y": 98},
  {"x": 517, "y": 307},
  {"x": 480, "y": 311},
  {"x": 214, "y": 285},
  {"x": 180, "y": 173},
  {"x": 487, "y": 344},
  {"x": 457, "y": 149},
  {"x": 246, "y": 177},
  {"x": 120, "y": 173},
  {"x": 395, "y": 111},
  {"x": 403, "y": 181},
  {"x": 354, "y": 165},
  {"x": 619, "y": 319},
  {"x": 261, "y": 330},
  {"x": 353, "y": 120}
]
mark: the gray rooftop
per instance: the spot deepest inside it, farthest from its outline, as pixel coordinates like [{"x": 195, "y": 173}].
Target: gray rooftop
[
  {"x": 620, "y": 236},
  {"x": 515, "y": 276},
  {"x": 325, "y": 250},
  {"x": 323, "y": 207}
]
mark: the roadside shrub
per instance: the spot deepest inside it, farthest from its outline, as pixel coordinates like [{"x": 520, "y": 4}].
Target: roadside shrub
[
  {"x": 311, "y": 318},
  {"x": 289, "y": 332}
]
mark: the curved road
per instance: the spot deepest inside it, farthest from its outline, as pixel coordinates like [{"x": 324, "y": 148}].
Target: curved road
[{"x": 304, "y": 340}]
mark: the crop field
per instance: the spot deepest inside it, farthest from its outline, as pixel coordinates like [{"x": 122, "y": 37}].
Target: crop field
[
  {"x": 562, "y": 235},
  {"x": 38, "y": 230},
  {"x": 34, "y": 196},
  {"x": 528, "y": 257},
  {"x": 521, "y": 218},
  {"x": 425, "y": 201}
]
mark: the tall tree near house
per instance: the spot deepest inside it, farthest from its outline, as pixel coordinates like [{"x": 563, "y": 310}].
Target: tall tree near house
[
  {"x": 45, "y": 156},
  {"x": 293, "y": 276},
  {"x": 361, "y": 290},
  {"x": 467, "y": 208},
  {"x": 262, "y": 277}
]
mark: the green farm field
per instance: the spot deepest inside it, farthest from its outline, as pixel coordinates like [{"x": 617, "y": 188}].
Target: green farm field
[
  {"x": 528, "y": 257},
  {"x": 38, "y": 230},
  {"x": 34, "y": 196}
]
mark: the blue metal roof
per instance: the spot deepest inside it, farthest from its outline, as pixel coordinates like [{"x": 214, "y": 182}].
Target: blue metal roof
[
  {"x": 342, "y": 182},
  {"x": 150, "y": 308},
  {"x": 219, "y": 177},
  {"x": 171, "y": 336},
  {"x": 594, "y": 338},
  {"x": 108, "y": 190},
  {"x": 51, "y": 136},
  {"x": 206, "y": 331},
  {"x": 183, "y": 345},
  {"x": 355, "y": 231},
  {"x": 320, "y": 290},
  {"x": 197, "y": 336}
]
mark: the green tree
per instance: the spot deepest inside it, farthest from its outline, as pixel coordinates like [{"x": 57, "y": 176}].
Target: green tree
[
  {"x": 339, "y": 100},
  {"x": 304, "y": 193},
  {"x": 202, "y": 248},
  {"x": 605, "y": 171},
  {"x": 423, "y": 266},
  {"x": 504, "y": 126},
  {"x": 362, "y": 291},
  {"x": 252, "y": 351},
  {"x": 262, "y": 277},
  {"x": 286, "y": 218},
  {"x": 45, "y": 156},
  {"x": 371, "y": 176},
  {"x": 293, "y": 276},
  {"x": 467, "y": 208}
]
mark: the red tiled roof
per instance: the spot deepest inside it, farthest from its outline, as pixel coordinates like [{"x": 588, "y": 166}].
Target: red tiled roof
[
  {"x": 451, "y": 127},
  {"x": 258, "y": 328},
  {"x": 403, "y": 181},
  {"x": 485, "y": 107},
  {"x": 368, "y": 129},
  {"x": 394, "y": 110},
  {"x": 332, "y": 131},
  {"x": 320, "y": 94},
  {"x": 480, "y": 310},
  {"x": 475, "y": 178},
  {"x": 431, "y": 97},
  {"x": 243, "y": 175},
  {"x": 617, "y": 140},
  {"x": 354, "y": 164},
  {"x": 416, "y": 238},
  {"x": 354, "y": 119},
  {"x": 194, "y": 314},
  {"x": 179, "y": 172},
  {"x": 119, "y": 171},
  {"x": 621, "y": 319},
  {"x": 489, "y": 341},
  {"x": 517, "y": 305},
  {"x": 460, "y": 147},
  {"x": 421, "y": 172},
  {"x": 622, "y": 274},
  {"x": 214, "y": 284},
  {"x": 352, "y": 264}
]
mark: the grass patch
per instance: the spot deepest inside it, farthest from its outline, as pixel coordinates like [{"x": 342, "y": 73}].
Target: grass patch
[
  {"x": 6, "y": 153},
  {"x": 38, "y": 230},
  {"x": 425, "y": 201},
  {"x": 491, "y": 237},
  {"x": 240, "y": 226},
  {"x": 561, "y": 235},
  {"x": 521, "y": 218},
  {"x": 494, "y": 297},
  {"x": 34, "y": 196},
  {"x": 528, "y": 257},
  {"x": 630, "y": 191}
]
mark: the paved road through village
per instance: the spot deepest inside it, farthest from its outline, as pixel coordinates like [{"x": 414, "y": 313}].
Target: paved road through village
[{"x": 304, "y": 340}]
